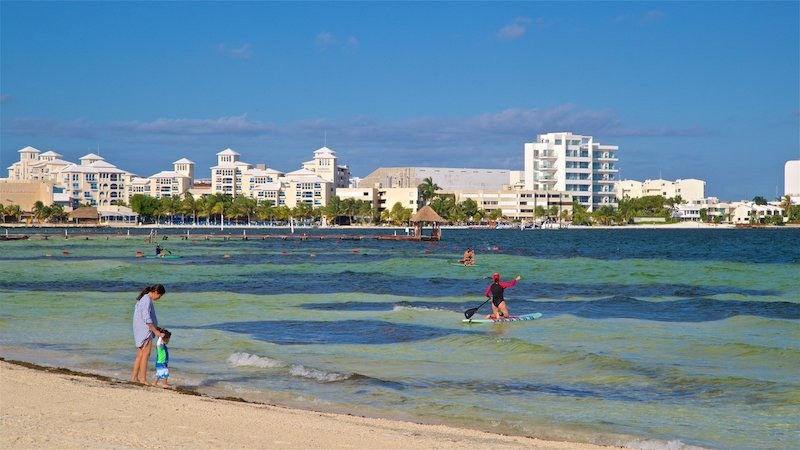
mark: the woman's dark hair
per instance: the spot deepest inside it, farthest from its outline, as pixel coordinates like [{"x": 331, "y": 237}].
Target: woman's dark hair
[{"x": 154, "y": 288}]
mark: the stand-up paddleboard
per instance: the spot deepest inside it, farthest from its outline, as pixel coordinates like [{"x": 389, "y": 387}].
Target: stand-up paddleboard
[
  {"x": 505, "y": 319},
  {"x": 163, "y": 256}
]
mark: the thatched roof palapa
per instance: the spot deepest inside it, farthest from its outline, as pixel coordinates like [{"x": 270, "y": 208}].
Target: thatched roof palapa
[
  {"x": 427, "y": 214},
  {"x": 85, "y": 212}
]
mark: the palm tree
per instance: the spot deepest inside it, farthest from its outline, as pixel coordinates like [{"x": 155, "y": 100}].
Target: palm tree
[
  {"x": 786, "y": 204},
  {"x": 57, "y": 213},
  {"x": 40, "y": 211},
  {"x": 2, "y": 213},
  {"x": 265, "y": 211},
  {"x": 189, "y": 206},
  {"x": 14, "y": 211},
  {"x": 427, "y": 189}
]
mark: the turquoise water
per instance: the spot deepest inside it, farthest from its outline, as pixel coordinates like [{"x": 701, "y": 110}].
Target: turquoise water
[{"x": 649, "y": 338}]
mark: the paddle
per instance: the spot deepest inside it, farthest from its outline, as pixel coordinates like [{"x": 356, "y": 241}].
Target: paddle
[{"x": 471, "y": 312}]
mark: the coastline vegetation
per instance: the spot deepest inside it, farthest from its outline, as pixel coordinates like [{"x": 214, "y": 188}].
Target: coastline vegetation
[{"x": 218, "y": 208}]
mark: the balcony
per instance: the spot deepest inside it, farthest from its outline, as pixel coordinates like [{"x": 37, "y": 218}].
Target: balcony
[
  {"x": 547, "y": 154},
  {"x": 604, "y": 168},
  {"x": 605, "y": 156}
]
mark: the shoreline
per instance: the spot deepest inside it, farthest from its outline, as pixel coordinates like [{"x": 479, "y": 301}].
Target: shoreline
[
  {"x": 45, "y": 407},
  {"x": 303, "y": 229}
]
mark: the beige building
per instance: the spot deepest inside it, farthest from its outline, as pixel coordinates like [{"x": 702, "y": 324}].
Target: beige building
[
  {"x": 226, "y": 176},
  {"x": 313, "y": 184},
  {"x": 167, "y": 183},
  {"x": 690, "y": 190},
  {"x": 445, "y": 178},
  {"x": 382, "y": 199},
  {"x": 94, "y": 181},
  {"x": 516, "y": 204},
  {"x": 325, "y": 165},
  {"x": 304, "y": 186},
  {"x": 26, "y": 193},
  {"x": 262, "y": 184}
]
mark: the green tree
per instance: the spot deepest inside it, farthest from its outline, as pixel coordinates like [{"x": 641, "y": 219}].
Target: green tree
[
  {"x": 188, "y": 206},
  {"x": 242, "y": 208},
  {"x": 334, "y": 209},
  {"x": 145, "y": 206},
  {"x": 580, "y": 215},
  {"x": 427, "y": 189},
  {"x": 539, "y": 211},
  {"x": 40, "y": 211},
  {"x": 397, "y": 215},
  {"x": 57, "y": 213},
  {"x": 470, "y": 208},
  {"x": 443, "y": 206},
  {"x": 302, "y": 211},
  {"x": 14, "y": 212},
  {"x": 759, "y": 200},
  {"x": 265, "y": 211},
  {"x": 283, "y": 213},
  {"x": 605, "y": 215}
]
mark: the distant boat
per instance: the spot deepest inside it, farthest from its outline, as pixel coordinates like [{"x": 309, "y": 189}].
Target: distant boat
[
  {"x": 13, "y": 238},
  {"x": 506, "y": 226}
]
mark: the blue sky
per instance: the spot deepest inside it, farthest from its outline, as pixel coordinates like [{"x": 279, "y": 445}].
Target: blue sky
[{"x": 707, "y": 90}]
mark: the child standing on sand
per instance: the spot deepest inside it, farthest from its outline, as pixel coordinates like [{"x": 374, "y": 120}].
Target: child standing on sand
[{"x": 162, "y": 359}]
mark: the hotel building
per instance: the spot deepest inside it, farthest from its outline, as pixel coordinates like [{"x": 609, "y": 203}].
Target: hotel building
[
  {"x": 575, "y": 164},
  {"x": 692, "y": 191}
]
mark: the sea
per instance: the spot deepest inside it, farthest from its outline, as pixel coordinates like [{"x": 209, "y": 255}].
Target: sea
[{"x": 649, "y": 338}]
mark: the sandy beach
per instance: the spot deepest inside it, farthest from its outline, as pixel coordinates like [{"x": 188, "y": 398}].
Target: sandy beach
[{"x": 51, "y": 408}]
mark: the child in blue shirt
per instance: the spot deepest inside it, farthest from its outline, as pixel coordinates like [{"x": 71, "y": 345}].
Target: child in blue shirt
[{"x": 162, "y": 359}]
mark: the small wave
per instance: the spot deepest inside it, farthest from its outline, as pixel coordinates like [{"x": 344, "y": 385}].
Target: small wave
[
  {"x": 660, "y": 445},
  {"x": 318, "y": 375},
  {"x": 406, "y": 307},
  {"x": 241, "y": 359}
]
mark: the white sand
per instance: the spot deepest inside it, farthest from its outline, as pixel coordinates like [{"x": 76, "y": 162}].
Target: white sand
[{"x": 46, "y": 409}]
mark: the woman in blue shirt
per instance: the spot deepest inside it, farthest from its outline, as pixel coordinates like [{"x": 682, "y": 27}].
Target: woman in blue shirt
[{"x": 145, "y": 327}]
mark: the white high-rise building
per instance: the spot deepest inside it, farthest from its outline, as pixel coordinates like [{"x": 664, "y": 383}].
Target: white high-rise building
[
  {"x": 791, "y": 179},
  {"x": 574, "y": 164}
]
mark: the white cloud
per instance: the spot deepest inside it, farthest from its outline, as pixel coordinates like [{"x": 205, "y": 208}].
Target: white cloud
[
  {"x": 515, "y": 30},
  {"x": 324, "y": 40},
  {"x": 244, "y": 51},
  {"x": 492, "y": 139}
]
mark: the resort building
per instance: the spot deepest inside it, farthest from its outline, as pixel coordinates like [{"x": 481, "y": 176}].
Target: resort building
[
  {"x": 314, "y": 184},
  {"x": 262, "y": 183},
  {"x": 690, "y": 190},
  {"x": 304, "y": 186},
  {"x": 445, "y": 178},
  {"x": 226, "y": 176},
  {"x": 35, "y": 165},
  {"x": 748, "y": 213},
  {"x": 325, "y": 166},
  {"x": 94, "y": 182},
  {"x": 168, "y": 183},
  {"x": 382, "y": 199},
  {"x": 575, "y": 164},
  {"x": 518, "y": 204}
]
